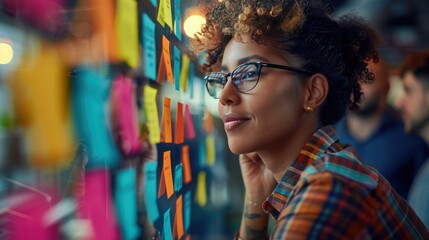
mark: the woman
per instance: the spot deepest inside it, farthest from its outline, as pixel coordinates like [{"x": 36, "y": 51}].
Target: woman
[{"x": 284, "y": 72}]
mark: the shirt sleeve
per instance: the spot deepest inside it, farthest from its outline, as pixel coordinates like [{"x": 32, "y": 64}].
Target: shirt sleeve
[{"x": 324, "y": 207}]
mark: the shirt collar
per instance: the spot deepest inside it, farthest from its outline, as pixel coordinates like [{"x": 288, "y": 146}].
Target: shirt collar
[{"x": 319, "y": 142}]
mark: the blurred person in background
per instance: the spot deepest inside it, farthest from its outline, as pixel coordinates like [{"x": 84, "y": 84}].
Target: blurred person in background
[
  {"x": 377, "y": 133},
  {"x": 414, "y": 106},
  {"x": 283, "y": 72}
]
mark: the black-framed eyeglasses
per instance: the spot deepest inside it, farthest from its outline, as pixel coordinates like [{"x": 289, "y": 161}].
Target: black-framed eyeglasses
[{"x": 245, "y": 77}]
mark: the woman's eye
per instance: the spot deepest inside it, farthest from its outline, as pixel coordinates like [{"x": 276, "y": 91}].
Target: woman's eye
[{"x": 249, "y": 75}]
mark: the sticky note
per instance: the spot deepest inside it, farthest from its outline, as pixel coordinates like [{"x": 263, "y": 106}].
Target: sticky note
[
  {"x": 42, "y": 107},
  {"x": 160, "y": 77},
  {"x": 161, "y": 13},
  {"x": 191, "y": 80},
  {"x": 151, "y": 110},
  {"x": 210, "y": 146},
  {"x": 167, "y": 131},
  {"x": 149, "y": 46},
  {"x": 178, "y": 219},
  {"x": 167, "y": 234},
  {"x": 89, "y": 96},
  {"x": 168, "y": 13},
  {"x": 127, "y": 31},
  {"x": 154, "y": 2},
  {"x": 176, "y": 66},
  {"x": 179, "y": 137},
  {"x": 202, "y": 152},
  {"x": 201, "y": 193},
  {"x": 178, "y": 177},
  {"x": 150, "y": 190},
  {"x": 168, "y": 175},
  {"x": 187, "y": 210},
  {"x": 167, "y": 58},
  {"x": 103, "y": 16},
  {"x": 125, "y": 197},
  {"x": 208, "y": 123},
  {"x": 187, "y": 175},
  {"x": 189, "y": 124},
  {"x": 177, "y": 20},
  {"x": 161, "y": 188},
  {"x": 184, "y": 73}
]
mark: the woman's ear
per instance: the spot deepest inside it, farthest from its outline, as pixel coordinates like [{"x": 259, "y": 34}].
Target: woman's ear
[{"x": 316, "y": 90}]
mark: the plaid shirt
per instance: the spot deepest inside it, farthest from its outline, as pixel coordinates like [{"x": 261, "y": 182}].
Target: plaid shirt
[{"x": 327, "y": 193}]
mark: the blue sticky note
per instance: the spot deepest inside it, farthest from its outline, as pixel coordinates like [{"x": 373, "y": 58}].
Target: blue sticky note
[
  {"x": 202, "y": 153},
  {"x": 191, "y": 80},
  {"x": 177, "y": 56},
  {"x": 125, "y": 197},
  {"x": 90, "y": 93},
  {"x": 149, "y": 46},
  {"x": 178, "y": 178},
  {"x": 154, "y": 3},
  {"x": 167, "y": 233},
  {"x": 187, "y": 210},
  {"x": 150, "y": 190},
  {"x": 177, "y": 22}
]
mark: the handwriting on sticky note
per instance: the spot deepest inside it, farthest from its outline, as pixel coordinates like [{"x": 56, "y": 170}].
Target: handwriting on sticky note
[
  {"x": 168, "y": 175},
  {"x": 149, "y": 46},
  {"x": 150, "y": 190},
  {"x": 167, "y": 59},
  {"x": 178, "y": 178}
]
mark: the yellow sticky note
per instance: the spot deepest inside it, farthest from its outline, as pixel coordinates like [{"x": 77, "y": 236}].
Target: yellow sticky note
[
  {"x": 167, "y": 131},
  {"x": 151, "y": 110},
  {"x": 168, "y": 175},
  {"x": 127, "y": 31},
  {"x": 168, "y": 13},
  {"x": 40, "y": 96},
  {"x": 210, "y": 145},
  {"x": 201, "y": 194},
  {"x": 184, "y": 73},
  {"x": 167, "y": 59},
  {"x": 161, "y": 13}
]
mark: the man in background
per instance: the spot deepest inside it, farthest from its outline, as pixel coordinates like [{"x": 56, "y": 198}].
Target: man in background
[
  {"x": 379, "y": 137},
  {"x": 414, "y": 107}
]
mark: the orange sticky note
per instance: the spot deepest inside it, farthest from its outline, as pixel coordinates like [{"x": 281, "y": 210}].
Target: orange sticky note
[
  {"x": 160, "y": 77},
  {"x": 168, "y": 175},
  {"x": 180, "y": 127},
  {"x": 187, "y": 176},
  {"x": 178, "y": 219},
  {"x": 166, "y": 122},
  {"x": 161, "y": 188},
  {"x": 167, "y": 59},
  {"x": 188, "y": 237},
  {"x": 208, "y": 123},
  {"x": 190, "y": 131}
]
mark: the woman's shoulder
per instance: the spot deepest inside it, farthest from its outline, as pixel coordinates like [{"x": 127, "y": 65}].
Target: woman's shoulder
[{"x": 345, "y": 166}]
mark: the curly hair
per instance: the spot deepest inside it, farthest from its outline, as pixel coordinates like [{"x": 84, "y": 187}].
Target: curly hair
[{"x": 338, "y": 49}]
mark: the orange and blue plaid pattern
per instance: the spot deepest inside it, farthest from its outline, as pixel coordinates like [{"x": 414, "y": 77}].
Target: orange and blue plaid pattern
[{"x": 328, "y": 193}]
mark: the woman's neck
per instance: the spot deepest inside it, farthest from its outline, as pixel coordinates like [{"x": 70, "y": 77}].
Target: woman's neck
[{"x": 278, "y": 157}]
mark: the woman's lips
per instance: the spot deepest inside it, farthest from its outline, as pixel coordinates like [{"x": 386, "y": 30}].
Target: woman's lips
[{"x": 232, "y": 122}]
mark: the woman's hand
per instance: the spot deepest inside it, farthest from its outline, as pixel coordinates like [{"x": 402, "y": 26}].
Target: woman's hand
[{"x": 258, "y": 180}]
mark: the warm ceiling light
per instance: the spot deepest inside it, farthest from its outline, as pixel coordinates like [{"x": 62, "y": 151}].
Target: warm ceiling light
[
  {"x": 193, "y": 24},
  {"x": 6, "y": 53}
]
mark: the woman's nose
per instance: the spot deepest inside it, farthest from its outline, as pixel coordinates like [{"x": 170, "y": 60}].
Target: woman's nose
[{"x": 229, "y": 95}]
